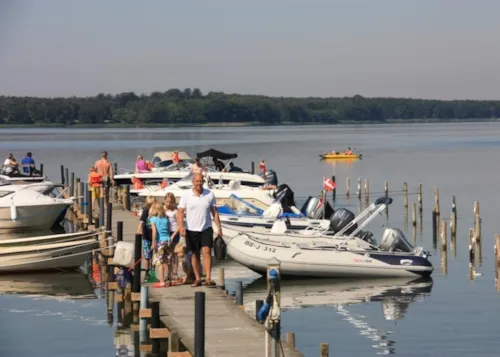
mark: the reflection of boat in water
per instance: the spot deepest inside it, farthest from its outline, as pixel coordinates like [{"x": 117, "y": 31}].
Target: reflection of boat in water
[
  {"x": 71, "y": 285},
  {"x": 394, "y": 294}
]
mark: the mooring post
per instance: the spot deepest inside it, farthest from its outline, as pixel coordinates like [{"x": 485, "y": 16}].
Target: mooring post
[
  {"x": 62, "y": 175},
  {"x": 127, "y": 197},
  {"x": 347, "y": 186},
  {"x": 239, "y": 293},
  {"x": 222, "y": 279},
  {"x": 334, "y": 192},
  {"x": 72, "y": 185},
  {"x": 143, "y": 321},
  {"x": 41, "y": 170},
  {"x": 111, "y": 278},
  {"x": 137, "y": 268},
  {"x": 199, "y": 324},
  {"x": 252, "y": 167},
  {"x": 155, "y": 323},
  {"x": 90, "y": 211},
  {"x": 109, "y": 218},
  {"x": 290, "y": 339},
  {"x": 101, "y": 212},
  {"x": 81, "y": 194},
  {"x": 119, "y": 231},
  {"x": 66, "y": 177},
  {"x": 324, "y": 350}
]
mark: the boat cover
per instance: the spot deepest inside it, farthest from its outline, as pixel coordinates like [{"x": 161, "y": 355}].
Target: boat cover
[{"x": 216, "y": 154}]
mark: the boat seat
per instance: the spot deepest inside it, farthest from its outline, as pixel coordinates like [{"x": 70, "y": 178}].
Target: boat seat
[
  {"x": 279, "y": 227},
  {"x": 234, "y": 184}
]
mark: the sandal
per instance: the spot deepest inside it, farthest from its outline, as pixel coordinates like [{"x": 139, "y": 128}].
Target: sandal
[
  {"x": 210, "y": 283},
  {"x": 159, "y": 285},
  {"x": 196, "y": 283}
]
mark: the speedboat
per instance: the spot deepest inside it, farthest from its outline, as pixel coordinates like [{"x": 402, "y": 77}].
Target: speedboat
[
  {"x": 165, "y": 169},
  {"x": 238, "y": 212},
  {"x": 6, "y": 244},
  {"x": 22, "y": 208},
  {"x": 312, "y": 253},
  {"x": 256, "y": 196},
  {"x": 52, "y": 256}
]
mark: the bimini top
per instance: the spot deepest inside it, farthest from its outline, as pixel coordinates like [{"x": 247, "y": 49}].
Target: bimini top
[
  {"x": 216, "y": 154},
  {"x": 167, "y": 155}
]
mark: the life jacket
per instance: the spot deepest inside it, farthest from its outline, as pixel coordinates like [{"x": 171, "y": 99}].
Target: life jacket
[
  {"x": 95, "y": 179},
  {"x": 149, "y": 166},
  {"x": 137, "y": 183}
]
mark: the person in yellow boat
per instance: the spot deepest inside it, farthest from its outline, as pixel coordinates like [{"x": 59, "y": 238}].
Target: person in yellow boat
[{"x": 348, "y": 151}]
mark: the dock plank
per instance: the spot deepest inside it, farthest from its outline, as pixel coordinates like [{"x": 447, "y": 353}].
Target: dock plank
[{"x": 229, "y": 331}]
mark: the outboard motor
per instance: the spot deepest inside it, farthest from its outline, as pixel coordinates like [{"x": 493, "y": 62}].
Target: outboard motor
[
  {"x": 341, "y": 218},
  {"x": 312, "y": 210},
  {"x": 288, "y": 199},
  {"x": 393, "y": 240},
  {"x": 271, "y": 177},
  {"x": 366, "y": 236}
]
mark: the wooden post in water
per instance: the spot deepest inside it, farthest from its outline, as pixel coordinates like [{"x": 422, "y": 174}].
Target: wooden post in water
[
  {"x": 471, "y": 253},
  {"x": 386, "y": 188},
  {"x": 477, "y": 238},
  {"x": 405, "y": 204},
  {"x": 367, "y": 192},
  {"x": 420, "y": 208},
  {"x": 62, "y": 175},
  {"x": 324, "y": 350},
  {"x": 444, "y": 248},
  {"x": 414, "y": 221},
  {"x": 358, "y": 189},
  {"x": 221, "y": 279},
  {"x": 66, "y": 177},
  {"x": 290, "y": 339},
  {"x": 347, "y": 187},
  {"x": 497, "y": 260},
  {"x": 72, "y": 185}
]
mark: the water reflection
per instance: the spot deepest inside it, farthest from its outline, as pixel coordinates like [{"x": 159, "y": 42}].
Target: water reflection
[{"x": 395, "y": 296}]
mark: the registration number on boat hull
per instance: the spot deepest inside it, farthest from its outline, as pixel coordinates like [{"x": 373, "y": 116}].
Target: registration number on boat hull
[{"x": 260, "y": 247}]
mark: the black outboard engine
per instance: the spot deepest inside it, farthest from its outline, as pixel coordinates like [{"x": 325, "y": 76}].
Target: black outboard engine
[
  {"x": 288, "y": 199},
  {"x": 341, "y": 218},
  {"x": 311, "y": 210},
  {"x": 271, "y": 177}
]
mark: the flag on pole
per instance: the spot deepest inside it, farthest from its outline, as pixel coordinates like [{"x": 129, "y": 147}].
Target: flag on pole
[{"x": 328, "y": 184}]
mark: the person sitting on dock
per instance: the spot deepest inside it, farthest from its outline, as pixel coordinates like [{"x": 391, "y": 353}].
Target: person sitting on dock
[
  {"x": 95, "y": 181},
  {"x": 28, "y": 164}
]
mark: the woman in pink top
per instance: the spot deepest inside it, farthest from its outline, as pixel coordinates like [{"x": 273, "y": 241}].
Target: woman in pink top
[{"x": 140, "y": 165}]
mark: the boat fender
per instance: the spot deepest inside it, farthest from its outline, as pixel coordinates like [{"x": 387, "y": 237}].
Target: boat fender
[
  {"x": 263, "y": 312},
  {"x": 220, "y": 248},
  {"x": 13, "y": 212}
]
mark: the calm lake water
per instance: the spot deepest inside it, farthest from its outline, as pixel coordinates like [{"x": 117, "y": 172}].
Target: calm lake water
[{"x": 448, "y": 316}]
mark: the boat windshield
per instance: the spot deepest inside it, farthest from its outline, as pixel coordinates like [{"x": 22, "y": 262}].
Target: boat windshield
[
  {"x": 5, "y": 193},
  {"x": 240, "y": 206}
]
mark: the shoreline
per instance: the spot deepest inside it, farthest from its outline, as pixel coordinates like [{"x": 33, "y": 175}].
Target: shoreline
[{"x": 247, "y": 124}]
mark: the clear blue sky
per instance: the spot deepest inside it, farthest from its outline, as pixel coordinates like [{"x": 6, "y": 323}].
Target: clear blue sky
[{"x": 442, "y": 49}]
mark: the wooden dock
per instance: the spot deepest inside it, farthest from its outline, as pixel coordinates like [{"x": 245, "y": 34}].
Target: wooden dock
[{"x": 229, "y": 330}]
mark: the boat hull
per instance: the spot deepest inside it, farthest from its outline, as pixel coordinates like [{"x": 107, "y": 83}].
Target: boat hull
[
  {"x": 69, "y": 258},
  {"x": 257, "y": 254},
  {"x": 340, "y": 156},
  {"x": 29, "y": 217}
]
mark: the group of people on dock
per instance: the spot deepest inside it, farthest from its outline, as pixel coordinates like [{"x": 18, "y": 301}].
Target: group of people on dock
[
  {"x": 169, "y": 241},
  {"x": 101, "y": 174}
]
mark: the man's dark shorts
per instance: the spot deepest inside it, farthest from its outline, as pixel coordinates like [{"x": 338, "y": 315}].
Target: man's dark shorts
[{"x": 196, "y": 240}]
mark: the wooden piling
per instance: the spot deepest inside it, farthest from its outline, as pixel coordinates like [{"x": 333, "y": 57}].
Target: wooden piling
[
  {"x": 476, "y": 208},
  {"x": 477, "y": 239},
  {"x": 444, "y": 248},
  {"x": 471, "y": 246},
  {"x": 405, "y": 194},
  {"x": 420, "y": 207},
  {"x": 358, "y": 188},
  {"x": 347, "y": 186},
  {"x": 290, "y": 339},
  {"x": 221, "y": 278},
  {"x": 386, "y": 188},
  {"x": 367, "y": 191},
  {"x": 497, "y": 259},
  {"x": 324, "y": 350}
]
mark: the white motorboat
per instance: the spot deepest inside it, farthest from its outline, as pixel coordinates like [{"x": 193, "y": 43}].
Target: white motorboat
[
  {"x": 237, "y": 212},
  {"x": 63, "y": 255},
  {"x": 52, "y": 238},
  {"x": 259, "y": 197},
  {"x": 22, "y": 208},
  {"x": 312, "y": 253},
  {"x": 165, "y": 169}
]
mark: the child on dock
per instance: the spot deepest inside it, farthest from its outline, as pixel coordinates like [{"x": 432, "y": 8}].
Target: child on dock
[
  {"x": 180, "y": 251},
  {"x": 95, "y": 181},
  {"x": 144, "y": 228},
  {"x": 161, "y": 243},
  {"x": 171, "y": 211}
]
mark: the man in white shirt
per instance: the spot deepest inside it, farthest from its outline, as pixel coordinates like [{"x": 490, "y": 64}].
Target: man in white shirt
[{"x": 199, "y": 206}]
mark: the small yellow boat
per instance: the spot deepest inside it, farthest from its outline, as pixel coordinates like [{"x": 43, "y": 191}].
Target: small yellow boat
[{"x": 340, "y": 155}]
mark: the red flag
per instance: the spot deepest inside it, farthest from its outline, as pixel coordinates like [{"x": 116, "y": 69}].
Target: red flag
[{"x": 328, "y": 184}]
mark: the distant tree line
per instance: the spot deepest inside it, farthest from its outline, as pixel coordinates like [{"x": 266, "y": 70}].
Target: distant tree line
[{"x": 190, "y": 106}]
